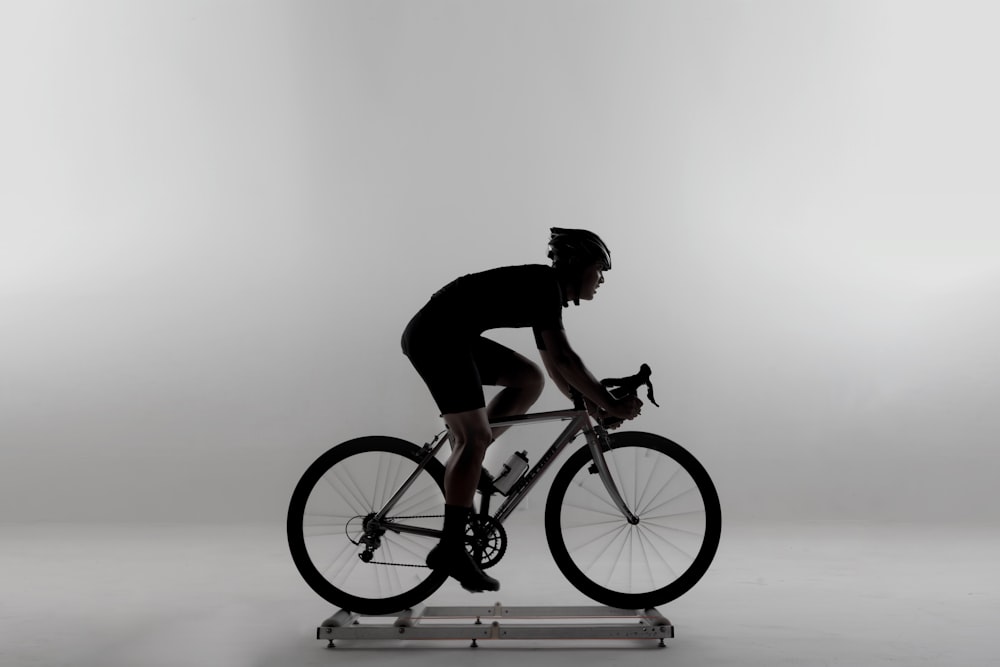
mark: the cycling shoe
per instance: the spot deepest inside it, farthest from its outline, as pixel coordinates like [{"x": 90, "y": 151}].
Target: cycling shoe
[{"x": 458, "y": 564}]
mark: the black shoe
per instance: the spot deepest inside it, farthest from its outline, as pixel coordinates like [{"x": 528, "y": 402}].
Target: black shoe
[{"x": 458, "y": 564}]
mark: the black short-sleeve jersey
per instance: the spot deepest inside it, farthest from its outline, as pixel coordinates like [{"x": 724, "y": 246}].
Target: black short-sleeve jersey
[{"x": 506, "y": 297}]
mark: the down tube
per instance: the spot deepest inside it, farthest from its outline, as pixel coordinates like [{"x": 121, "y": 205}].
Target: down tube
[{"x": 566, "y": 437}]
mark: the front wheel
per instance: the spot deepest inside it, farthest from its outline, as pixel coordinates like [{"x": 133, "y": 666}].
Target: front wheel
[{"x": 653, "y": 561}]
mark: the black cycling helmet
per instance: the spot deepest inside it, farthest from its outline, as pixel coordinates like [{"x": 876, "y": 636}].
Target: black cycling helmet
[{"x": 575, "y": 248}]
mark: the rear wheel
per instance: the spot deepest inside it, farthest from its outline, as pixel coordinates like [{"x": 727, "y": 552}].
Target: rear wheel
[
  {"x": 634, "y": 566},
  {"x": 341, "y": 554}
]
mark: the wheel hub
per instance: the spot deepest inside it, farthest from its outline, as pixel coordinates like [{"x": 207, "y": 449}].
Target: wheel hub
[{"x": 372, "y": 538}]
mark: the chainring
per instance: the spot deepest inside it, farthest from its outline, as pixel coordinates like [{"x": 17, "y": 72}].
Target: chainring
[{"x": 485, "y": 540}]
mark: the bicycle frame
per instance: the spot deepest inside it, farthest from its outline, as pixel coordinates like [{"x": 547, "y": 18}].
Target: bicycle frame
[{"x": 579, "y": 420}]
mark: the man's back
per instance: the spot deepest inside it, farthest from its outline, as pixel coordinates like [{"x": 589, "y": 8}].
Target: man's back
[{"x": 509, "y": 296}]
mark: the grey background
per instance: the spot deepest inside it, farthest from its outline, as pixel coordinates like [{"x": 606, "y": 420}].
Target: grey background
[{"x": 217, "y": 217}]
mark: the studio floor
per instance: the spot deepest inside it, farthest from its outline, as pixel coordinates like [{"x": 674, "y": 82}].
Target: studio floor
[{"x": 796, "y": 593}]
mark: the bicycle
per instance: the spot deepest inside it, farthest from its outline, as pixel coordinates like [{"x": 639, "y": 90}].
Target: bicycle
[{"x": 632, "y": 519}]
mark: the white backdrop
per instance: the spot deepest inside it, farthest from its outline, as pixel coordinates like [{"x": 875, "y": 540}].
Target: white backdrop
[{"x": 217, "y": 217}]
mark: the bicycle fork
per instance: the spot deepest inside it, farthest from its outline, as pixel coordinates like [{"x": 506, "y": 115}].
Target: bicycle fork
[{"x": 598, "y": 444}]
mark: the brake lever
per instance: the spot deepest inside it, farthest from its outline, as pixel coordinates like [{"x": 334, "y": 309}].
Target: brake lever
[
  {"x": 628, "y": 386},
  {"x": 622, "y": 387}
]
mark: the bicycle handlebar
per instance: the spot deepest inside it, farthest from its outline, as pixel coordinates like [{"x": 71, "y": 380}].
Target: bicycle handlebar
[
  {"x": 629, "y": 386},
  {"x": 620, "y": 388}
]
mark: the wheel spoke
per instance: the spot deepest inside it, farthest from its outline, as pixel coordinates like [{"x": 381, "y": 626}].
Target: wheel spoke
[
  {"x": 618, "y": 531},
  {"x": 666, "y": 484},
  {"x": 651, "y": 562},
  {"x": 424, "y": 501},
  {"x": 652, "y": 474},
  {"x": 643, "y": 535},
  {"x": 325, "y": 533},
  {"x": 412, "y": 547},
  {"x": 331, "y": 502},
  {"x": 673, "y": 546},
  {"x": 356, "y": 494},
  {"x": 591, "y": 540},
  {"x": 693, "y": 489},
  {"x": 673, "y": 515},
  {"x": 695, "y": 533},
  {"x": 618, "y": 559},
  {"x": 615, "y": 514},
  {"x": 392, "y": 572},
  {"x": 601, "y": 497},
  {"x": 645, "y": 555},
  {"x": 617, "y": 521},
  {"x": 347, "y": 548}
]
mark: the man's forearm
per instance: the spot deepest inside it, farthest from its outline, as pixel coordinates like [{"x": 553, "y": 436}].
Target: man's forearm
[
  {"x": 563, "y": 385},
  {"x": 572, "y": 371}
]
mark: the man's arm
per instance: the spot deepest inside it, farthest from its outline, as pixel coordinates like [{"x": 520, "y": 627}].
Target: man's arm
[
  {"x": 567, "y": 370},
  {"x": 560, "y": 382}
]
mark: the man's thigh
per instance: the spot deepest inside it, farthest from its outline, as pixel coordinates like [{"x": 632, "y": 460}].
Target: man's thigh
[{"x": 501, "y": 366}]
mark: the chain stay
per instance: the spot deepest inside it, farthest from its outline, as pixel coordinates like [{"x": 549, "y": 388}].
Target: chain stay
[
  {"x": 418, "y": 516},
  {"x": 378, "y": 562}
]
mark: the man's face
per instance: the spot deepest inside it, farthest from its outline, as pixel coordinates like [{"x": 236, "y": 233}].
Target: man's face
[{"x": 593, "y": 276}]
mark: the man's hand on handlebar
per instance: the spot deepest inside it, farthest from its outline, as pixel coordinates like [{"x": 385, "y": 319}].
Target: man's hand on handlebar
[
  {"x": 627, "y": 407},
  {"x": 619, "y": 410},
  {"x": 621, "y": 401}
]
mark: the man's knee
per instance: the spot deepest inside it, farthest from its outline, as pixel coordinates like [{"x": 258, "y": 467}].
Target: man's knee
[
  {"x": 475, "y": 440},
  {"x": 470, "y": 430}
]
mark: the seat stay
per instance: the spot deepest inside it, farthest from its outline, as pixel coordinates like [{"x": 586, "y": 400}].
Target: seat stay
[{"x": 431, "y": 451}]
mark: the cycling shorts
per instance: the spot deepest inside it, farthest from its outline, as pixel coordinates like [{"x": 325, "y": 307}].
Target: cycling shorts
[{"x": 455, "y": 366}]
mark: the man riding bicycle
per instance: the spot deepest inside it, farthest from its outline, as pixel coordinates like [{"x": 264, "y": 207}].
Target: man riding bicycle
[{"x": 445, "y": 345}]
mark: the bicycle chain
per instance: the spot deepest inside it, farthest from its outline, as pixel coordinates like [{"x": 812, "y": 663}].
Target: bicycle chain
[{"x": 378, "y": 562}]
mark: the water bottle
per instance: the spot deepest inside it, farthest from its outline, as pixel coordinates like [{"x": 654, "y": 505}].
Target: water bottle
[{"x": 513, "y": 470}]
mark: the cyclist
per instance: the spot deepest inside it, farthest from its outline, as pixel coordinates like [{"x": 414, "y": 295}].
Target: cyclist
[{"x": 445, "y": 345}]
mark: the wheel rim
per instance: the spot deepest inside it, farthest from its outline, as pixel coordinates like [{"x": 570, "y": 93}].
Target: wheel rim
[
  {"x": 335, "y": 502},
  {"x": 654, "y": 560}
]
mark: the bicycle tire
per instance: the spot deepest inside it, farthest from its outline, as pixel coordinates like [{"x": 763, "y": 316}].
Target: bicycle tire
[
  {"x": 326, "y": 517},
  {"x": 584, "y": 528}
]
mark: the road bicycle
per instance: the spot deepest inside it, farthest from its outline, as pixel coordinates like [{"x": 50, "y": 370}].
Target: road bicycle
[{"x": 632, "y": 519}]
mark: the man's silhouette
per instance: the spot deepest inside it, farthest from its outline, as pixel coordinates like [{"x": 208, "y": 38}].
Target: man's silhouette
[{"x": 445, "y": 345}]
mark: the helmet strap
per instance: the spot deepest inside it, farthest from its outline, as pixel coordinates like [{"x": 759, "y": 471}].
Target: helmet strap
[
  {"x": 571, "y": 277},
  {"x": 575, "y": 284}
]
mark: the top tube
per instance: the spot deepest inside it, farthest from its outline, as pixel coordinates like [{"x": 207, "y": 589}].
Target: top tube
[{"x": 538, "y": 417}]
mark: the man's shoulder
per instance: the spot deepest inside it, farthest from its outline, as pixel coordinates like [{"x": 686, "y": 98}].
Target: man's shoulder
[
  {"x": 518, "y": 272},
  {"x": 536, "y": 271}
]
